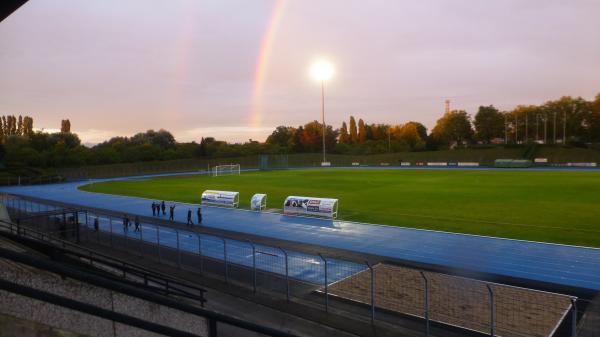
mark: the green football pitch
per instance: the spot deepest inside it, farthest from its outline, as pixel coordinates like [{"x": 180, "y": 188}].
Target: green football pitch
[{"x": 549, "y": 206}]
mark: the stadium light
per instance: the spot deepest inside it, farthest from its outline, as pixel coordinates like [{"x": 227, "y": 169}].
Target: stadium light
[{"x": 322, "y": 71}]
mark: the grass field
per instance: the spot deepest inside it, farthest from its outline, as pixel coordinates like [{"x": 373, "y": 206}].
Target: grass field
[{"x": 550, "y": 206}]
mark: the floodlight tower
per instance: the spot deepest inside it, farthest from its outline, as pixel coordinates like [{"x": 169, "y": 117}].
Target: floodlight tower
[{"x": 322, "y": 71}]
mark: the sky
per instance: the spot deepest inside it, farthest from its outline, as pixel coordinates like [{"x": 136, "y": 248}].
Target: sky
[{"x": 236, "y": 69}]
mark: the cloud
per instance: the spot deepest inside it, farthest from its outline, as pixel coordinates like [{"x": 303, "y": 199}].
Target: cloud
[
  {"x": 50, "y": 130},
  {"x": 88, "y": 137},
  {"x": 236, "y": 134},
  {"x": 229, "y": 133},
  {"x": 95, "y": 136}
]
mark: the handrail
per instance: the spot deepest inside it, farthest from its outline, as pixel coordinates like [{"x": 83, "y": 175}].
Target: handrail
[
  {"x": 168, "y": 287},
  {"x": 48, "y": 213},
  {"x": 170, "y": 280},
  {"x": 129, "y": 290},
  {"x": 91, "y": 309}
]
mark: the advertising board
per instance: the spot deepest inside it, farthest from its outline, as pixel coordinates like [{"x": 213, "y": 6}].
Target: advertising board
[
  {"x": 220, "y": 198},
  {"x": 295, "y": 205}
]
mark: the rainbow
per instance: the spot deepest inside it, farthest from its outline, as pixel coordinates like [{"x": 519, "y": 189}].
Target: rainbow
[{"x": 266, "y": 47}]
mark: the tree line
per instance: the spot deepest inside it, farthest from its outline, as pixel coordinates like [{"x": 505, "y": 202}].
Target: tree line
[
  {"x": 563, "y": 121},
  {"x": 15, "y": 126},
  {"x": 567, "y": 120},
  {"x": 570, "y": 121}
]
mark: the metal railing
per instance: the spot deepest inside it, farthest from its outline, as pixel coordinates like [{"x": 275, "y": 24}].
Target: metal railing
[
  {"x": 166, "y": 284},
  {"x": 371, "y": 292},
  {"x": 91, "y": 309},
  {"x": 30, "y": 180},
  {"x": 83, "y": 276}
]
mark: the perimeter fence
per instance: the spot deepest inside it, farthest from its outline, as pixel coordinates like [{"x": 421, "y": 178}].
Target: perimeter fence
[
  {"x": 382, "y": 292},
  {"x": 30, "y": 180},
  {"x": 283, "y": 161}
]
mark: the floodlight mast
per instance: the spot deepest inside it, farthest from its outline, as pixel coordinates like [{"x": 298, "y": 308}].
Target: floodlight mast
[
  {"x": 323, "y": 114},
  {"x": 322, "y": 71}
]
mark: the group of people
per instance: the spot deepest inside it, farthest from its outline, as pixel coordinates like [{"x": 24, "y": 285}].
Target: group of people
[
  {"x": 158, "y": 207},
  {"x": 127, "y": 223}
]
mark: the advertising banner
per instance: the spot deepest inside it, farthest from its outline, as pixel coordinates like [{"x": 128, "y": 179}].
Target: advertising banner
[
  {"x": 405, "y": 163},
  {"x": 437, "y": 164},
  {"x": 220, "y": 198},
  {"x": 582, "y": 164},
  {"x": 294, "y": 205},
  {"x": 463, "y": 163}
]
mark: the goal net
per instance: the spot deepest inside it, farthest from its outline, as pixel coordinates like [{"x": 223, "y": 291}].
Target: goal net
[{"x": 221, "y": 170}]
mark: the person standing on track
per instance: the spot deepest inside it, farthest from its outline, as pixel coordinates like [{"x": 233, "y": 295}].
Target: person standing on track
[
  {"x": 162, "y": 205},
  {"x": 96, "y": 224},
  {"x": 137, "y": 223},
  {"x": 189, "y": 218},
  {"x": 125, "y": 223},
  {"x": 172, "y": 212},
  {"x": 153, "y": 208},
  {"x": 199, "y": 214}
]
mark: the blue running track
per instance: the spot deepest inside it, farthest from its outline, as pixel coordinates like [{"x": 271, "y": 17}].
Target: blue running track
[{"x": 563, "y": 265}]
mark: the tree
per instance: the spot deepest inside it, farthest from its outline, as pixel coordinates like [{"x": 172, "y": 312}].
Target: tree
[
  {"x": 413, "y": 134},
  {"x": 353, "y": 131},
  {"x": 12, "y": 125},
  {"x": 453, "y": 129},
  {"x": 310, "y": 137},
  {"x": 65, "y": 126},
  {"x": 344, "y": 136},
  {"x": 575, "y": 110},
  {"x": 362, "y": 131},
  {"x": 282, "y": 136},
  {"x": 20, "y": 126},
  {"x": 162, "y": 139},
  {"x": 27, "y": 126},
  {"x": 377, "y": 131},
  {"x": 592, "y": 121},
  {"x": 489, "y": 124},
  {"x": 4, "y": 126}
]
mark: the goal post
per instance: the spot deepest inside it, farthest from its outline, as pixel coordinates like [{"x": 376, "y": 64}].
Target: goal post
[{"x": 221, "y": 170}]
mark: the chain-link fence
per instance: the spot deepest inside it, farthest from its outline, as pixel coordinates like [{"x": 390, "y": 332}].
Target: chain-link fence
[
  {"x": 30, "y": 180},
  {"x": 154, "y": 167},
  {"x": 383, "y": 291},
  {"x": 283, "y": 161}
]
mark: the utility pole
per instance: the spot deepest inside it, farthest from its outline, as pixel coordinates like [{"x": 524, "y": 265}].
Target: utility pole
[
  {"x": 389, "y": 139},
  {"x": 537, "y": 130},
  {"x": 554, "y": 127},
  {"x": 516, "y": 130},
  {"x": 505, "y": 129},
  {"x": 526, "y": 130},
  {"x": 565, "y": 125},
  {"x": 545, "y": 130}
]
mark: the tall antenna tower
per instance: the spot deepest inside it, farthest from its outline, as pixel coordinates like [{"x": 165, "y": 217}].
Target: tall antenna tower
[{"x": 447, "y": 106}]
